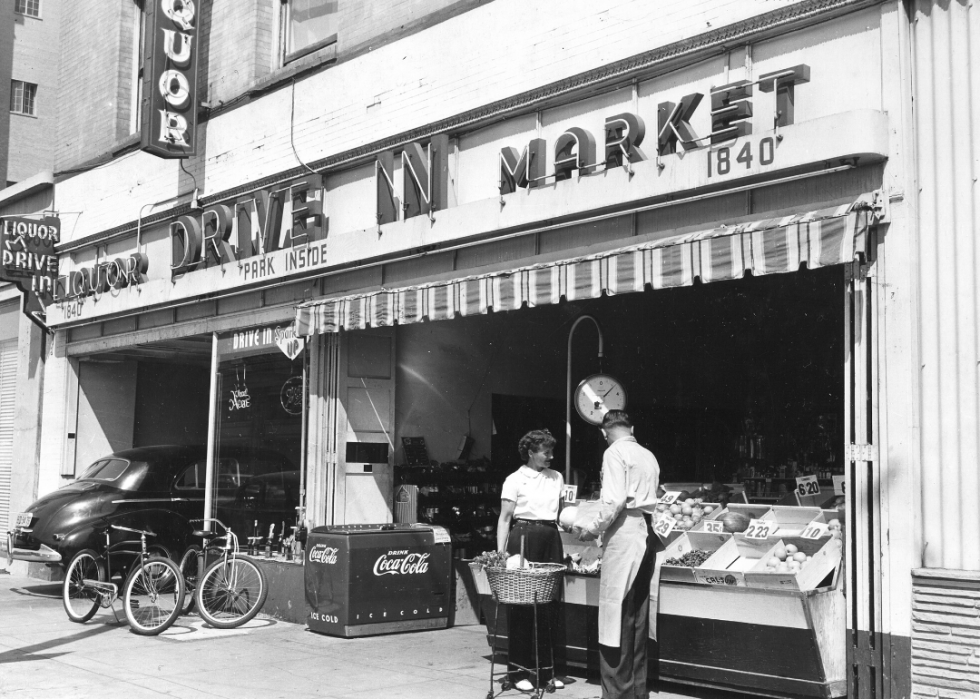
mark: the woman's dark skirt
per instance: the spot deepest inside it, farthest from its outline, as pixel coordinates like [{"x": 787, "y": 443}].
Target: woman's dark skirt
[{"x": 542, "y": 544}]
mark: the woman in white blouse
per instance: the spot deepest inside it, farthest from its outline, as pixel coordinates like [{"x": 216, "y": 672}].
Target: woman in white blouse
[{"x": 530, "y": 502}]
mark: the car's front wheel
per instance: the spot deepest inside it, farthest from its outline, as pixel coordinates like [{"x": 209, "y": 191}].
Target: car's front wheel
[{"x": 80, "y": 598}]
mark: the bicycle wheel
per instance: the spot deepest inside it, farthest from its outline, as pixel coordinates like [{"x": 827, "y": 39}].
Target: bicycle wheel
[
  {"x": 154, "y": 596},
  {"x": 231, "y": 592},
  {"x": 81, "y": 602},
  {"x": 190, "y": 569}
]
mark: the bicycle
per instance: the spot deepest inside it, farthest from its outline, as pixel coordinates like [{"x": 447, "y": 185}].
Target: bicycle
[
  {"x": 153, "y": 592},
  {"x": 232, "y": 589}
]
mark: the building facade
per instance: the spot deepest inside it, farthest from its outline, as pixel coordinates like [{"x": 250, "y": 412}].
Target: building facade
[{"x": 391, "y": 217}]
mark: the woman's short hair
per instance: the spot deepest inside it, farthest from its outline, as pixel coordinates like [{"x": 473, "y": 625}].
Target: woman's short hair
[{"x": 535, "y": 440}]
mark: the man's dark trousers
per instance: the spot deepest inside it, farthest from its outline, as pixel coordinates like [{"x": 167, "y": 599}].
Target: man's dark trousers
[{"x": 624, "y": 669}]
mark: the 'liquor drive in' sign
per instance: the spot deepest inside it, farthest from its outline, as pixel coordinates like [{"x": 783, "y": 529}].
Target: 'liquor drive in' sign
[
  {"x": 29, "y": 260},
  {"x": 170, "y": 79}
]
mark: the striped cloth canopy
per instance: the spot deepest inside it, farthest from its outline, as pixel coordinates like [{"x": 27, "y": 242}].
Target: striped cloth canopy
[{"x": 770, "y": 246}]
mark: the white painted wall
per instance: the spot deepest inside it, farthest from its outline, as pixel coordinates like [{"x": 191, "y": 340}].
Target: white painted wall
[{"x": 498, "y": 50}]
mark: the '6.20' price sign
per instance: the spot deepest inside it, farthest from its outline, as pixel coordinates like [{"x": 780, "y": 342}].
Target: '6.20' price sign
[
  {"x": 727, "y": 160},
  {"x": 807, "y": 485}
]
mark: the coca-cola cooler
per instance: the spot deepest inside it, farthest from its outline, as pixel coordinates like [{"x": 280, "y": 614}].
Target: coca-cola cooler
[{"x": 370, "y": 579}]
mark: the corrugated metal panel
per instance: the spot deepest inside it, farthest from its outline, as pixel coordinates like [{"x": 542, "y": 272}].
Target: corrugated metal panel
[
  {"x": 947, "y": 103},
  {"x": 8, "y": 396}
]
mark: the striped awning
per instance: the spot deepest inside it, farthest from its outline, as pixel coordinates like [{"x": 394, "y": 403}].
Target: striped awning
[{"x": 770, "y": 246}]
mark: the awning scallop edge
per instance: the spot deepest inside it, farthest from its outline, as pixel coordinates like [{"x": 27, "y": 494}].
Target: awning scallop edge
[{"x": 767, "y": 246}]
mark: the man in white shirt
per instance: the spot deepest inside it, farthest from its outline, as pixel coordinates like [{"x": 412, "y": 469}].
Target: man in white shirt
[{"x": 630, "y": 475}]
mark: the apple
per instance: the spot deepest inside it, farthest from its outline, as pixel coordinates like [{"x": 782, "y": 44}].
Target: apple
[
  {"x": 791, "y": 549},
  {"x": 799, "y": 557}
]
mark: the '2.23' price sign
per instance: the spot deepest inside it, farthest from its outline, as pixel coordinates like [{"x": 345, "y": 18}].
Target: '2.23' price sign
[{"x": 760, "y": 529}]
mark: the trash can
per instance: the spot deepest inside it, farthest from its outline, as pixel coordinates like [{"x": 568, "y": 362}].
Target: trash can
[{"x": 370, "y": 579}]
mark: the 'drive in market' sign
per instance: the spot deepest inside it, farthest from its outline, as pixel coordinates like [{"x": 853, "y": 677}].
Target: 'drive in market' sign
[
  {"x": 170, "y": 79},
  {"x": 27, "y": 258}
]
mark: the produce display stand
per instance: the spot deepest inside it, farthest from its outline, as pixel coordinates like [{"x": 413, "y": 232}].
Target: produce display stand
[{"x": 764, "y": 642}]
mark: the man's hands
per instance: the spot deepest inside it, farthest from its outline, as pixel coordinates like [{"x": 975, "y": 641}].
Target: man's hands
[{"x": 583, "y": 534}]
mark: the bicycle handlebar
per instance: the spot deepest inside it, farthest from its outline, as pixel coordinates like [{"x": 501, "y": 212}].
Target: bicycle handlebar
[{"x": 128, "y": 529}]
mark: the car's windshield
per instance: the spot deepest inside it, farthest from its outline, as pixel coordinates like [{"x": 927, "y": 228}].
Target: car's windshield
[{"x": 125, "y": 475}]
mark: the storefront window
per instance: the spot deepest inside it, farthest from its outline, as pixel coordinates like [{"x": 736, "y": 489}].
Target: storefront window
[{"x": 259, "y": 432}]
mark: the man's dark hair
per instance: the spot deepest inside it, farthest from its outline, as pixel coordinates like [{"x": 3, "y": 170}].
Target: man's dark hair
[
  {"x": 616, "y": 418},
  {"x": 535, "y": 440}
]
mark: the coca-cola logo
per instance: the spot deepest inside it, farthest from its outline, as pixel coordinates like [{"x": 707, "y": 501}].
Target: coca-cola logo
[
  {"x": 401, "y": 563},
  {"x": 321, "y": 553}
]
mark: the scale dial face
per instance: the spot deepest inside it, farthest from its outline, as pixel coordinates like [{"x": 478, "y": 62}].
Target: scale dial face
[{"x": 596, "y": 395}]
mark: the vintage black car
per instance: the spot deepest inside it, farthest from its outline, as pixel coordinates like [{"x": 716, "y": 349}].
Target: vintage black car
[{"x": 158, "y": 489}]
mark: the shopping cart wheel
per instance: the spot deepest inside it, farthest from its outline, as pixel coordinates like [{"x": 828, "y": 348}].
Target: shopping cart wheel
[
  {"x": 551, "y": 687},
  {"x": 505, "y": 684},
  {"x": 490, "y": 694}
]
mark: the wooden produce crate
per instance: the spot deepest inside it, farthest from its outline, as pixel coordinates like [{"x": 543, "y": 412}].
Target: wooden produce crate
[
  {"x": 825, "y": 556},
  {"x": 728, "y": 565},
  {"x": 791, "y": 521},
  {"x": 690, "y": 541}
]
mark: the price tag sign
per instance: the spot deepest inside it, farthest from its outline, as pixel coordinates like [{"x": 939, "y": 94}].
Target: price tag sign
[
  {"x": 664, "y": 526},
  {"x": 814, "y": 530},
  {"x": 839, "y": 485},
  {"x": 760, "y": 529},
  {"x": 668, "y": 498},
  {"x": 569, "y": 494},
  {"x": 807, "y": 485},
  {"x": 715, "y": 526}
]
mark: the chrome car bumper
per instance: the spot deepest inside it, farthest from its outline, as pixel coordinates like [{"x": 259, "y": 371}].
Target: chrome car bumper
[{"x": 45, "y": 554}]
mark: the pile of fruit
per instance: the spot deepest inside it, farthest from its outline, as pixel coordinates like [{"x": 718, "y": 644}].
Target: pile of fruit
[
  {"x": 687, "y": 511},
  {"x": 787, "y": 559},
  {"x": 836, "y": 531},
  {"x": 691, "y": 559}
]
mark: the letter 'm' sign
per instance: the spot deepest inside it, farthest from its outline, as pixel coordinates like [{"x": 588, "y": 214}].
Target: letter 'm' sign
[{"x": 169, "y": 117}]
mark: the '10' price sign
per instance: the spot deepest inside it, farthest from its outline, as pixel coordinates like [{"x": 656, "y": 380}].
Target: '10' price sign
[
  {"x": 807, "y": 485},
  {"x": 814, "y": 530},
  {"x": 760, "y": 529}
]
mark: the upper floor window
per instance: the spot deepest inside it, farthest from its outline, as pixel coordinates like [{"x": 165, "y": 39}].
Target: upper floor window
[
  {"x": 23, "y": 97},
  {"x": 31, "y": 8},
  {"x": 307, "y": 25}
]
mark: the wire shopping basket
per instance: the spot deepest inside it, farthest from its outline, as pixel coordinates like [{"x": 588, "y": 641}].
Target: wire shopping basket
[{"x": 534, "y": 585}]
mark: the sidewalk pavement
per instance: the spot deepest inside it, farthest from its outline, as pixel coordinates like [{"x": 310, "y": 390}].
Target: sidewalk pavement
[{"x": 44, "y": 655}]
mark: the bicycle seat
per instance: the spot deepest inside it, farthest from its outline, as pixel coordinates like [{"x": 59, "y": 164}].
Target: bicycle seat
[{"x": 205, "y": 534}]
